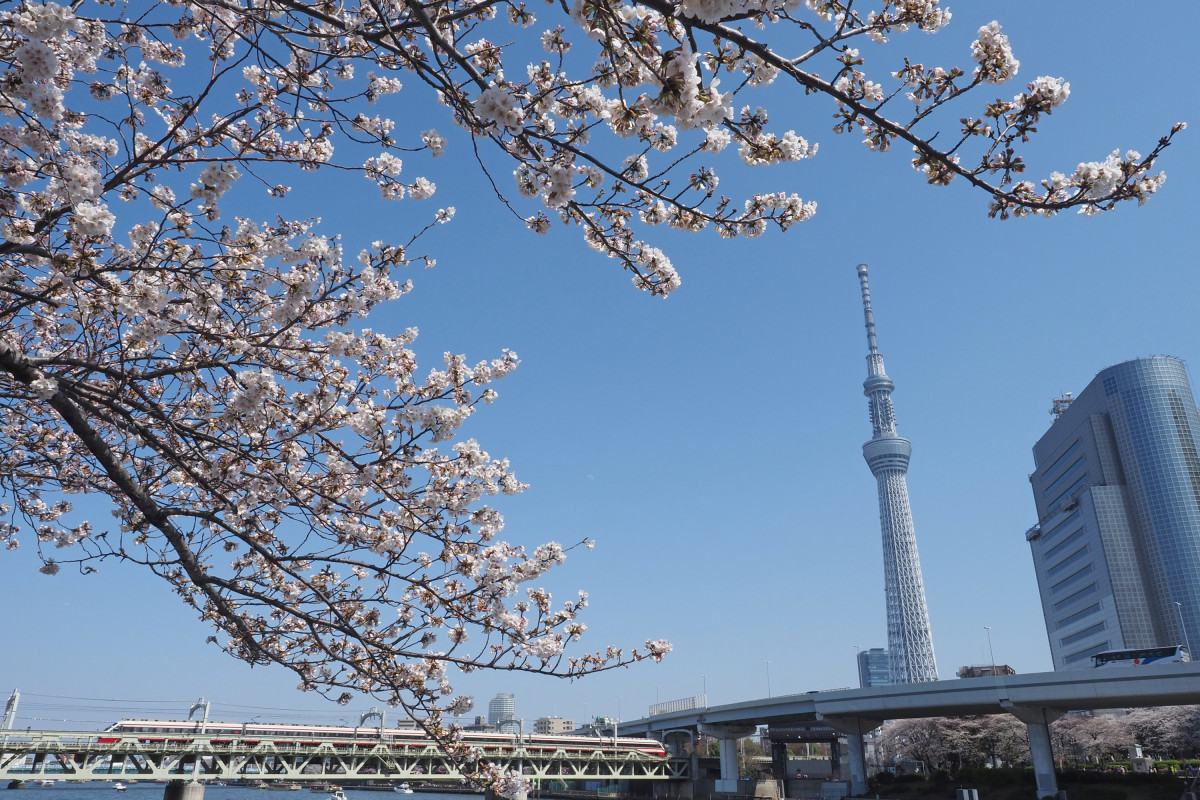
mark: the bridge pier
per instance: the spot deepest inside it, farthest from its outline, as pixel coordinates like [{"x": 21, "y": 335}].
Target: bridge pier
[
  {"x": 674, "y": 740},
  {"x": 779, "y": 760},
  {"x": 1037, "y": 721},
  {"x": 727, "y": 737},
  {"x": 854, "y": 728},
  {"x": 183, "y": 790}
]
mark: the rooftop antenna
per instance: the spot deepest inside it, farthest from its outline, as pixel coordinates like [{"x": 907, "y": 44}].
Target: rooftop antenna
[
  {"x": 1060, "y": 404},
  {"x": 867, "y": 315}
]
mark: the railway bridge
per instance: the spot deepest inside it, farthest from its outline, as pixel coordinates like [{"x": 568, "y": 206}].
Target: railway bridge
[{"x": 196, "y": 757}]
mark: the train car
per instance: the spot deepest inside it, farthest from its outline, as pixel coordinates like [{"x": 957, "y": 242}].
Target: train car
[{"x": 344, "y": 738}]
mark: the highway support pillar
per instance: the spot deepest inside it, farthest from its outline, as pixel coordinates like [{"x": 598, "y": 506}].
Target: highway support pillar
[
  {"x": 183, "y": 790},
  {"x": 727, "y": 737},
  {"x": 674, "y": 741},
  {"x": 1037, "y": 721},
  {"x": 779, "y": 760},
  {"x": 854, "y": 728}
]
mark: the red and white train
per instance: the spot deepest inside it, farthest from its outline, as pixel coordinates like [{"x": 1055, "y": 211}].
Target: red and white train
[{"x": 179, "y": 732}]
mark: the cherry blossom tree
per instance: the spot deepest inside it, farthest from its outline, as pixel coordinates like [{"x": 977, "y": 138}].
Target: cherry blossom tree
[
  {"x": 205, "y": 366},
  {"x": 1103, "y": 736},
  {"x": 991, "y": 738},
  {"x": 1170, "y": 731},
  {"x": 929, "y": 740},
  {"x": 1091, "y": 737},
  {"x": 957, "y": 742}
]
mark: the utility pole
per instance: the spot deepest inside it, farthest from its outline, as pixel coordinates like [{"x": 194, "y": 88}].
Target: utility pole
[
  {"x": 10, "y": 709},
  {"x": 1182, "y": 630},
  {"x": 199, "y": 705}
]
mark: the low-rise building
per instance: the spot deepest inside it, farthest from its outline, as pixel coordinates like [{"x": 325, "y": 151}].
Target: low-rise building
[
  {"x": 553, "y": 726},
  {"x": 985, "y": 671}
]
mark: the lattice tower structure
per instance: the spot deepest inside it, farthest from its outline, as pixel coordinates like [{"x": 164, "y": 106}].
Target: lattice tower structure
[{"x": 910, "y": 640}]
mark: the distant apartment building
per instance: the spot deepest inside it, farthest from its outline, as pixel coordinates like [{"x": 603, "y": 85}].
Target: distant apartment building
[
  {"x": 502, "y": 713},
  {"x": 1116, "y": 483},
  {"x": 873, "y": 669},
  {"x": 553, "y": 726}
]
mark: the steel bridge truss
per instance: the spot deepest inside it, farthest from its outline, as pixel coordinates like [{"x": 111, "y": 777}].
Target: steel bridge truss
[{"x": 82, "y": 757}]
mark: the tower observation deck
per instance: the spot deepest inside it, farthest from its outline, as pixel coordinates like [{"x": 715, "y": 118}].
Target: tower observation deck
[{"x": 910, "y": 641}]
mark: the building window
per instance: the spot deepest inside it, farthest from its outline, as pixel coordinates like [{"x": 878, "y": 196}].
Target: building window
[
  {"x": 1068, "y": 562},
  {"x": 1068, "y": 492},
  {"x": 1086, "y": 633},
  {"x": 1082, "y": 654},
  {"x": 1070, "y": 451},
  {"x": 1078, "y": 615},
  {"x": 1067, "y": 583},
  {"x": 1059, "y": 526},
  {"x": 1071, "y": 470},
  {"x": 1054, "y": 551},
  {"x": 1082, "y": 594}
]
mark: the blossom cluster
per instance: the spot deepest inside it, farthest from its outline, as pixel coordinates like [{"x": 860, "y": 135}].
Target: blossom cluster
[{"x": 994, "y": 55}]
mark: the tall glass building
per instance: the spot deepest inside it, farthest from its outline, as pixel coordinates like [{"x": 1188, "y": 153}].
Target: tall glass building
[
  {"x": 873, "y": 668},
  {"x": 1117, "y": 489}
]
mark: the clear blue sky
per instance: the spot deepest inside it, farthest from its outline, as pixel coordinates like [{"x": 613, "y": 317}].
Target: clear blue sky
[{"x": 710, "y": 443}]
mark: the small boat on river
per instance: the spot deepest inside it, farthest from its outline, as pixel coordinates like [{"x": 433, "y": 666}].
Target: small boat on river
[{"x": 120, "y": 787}]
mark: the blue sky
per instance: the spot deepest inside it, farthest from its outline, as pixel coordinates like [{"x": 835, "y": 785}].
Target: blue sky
[{"x": 710, "y": 442}]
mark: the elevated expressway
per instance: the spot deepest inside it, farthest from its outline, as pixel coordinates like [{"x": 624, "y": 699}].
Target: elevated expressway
[
  {"x": 1037, "y": 699},
  {"x": 91, "y": 756}
]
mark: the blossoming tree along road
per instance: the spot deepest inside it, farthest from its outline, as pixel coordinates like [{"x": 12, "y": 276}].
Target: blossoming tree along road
[{"x": 283, "y": 469}]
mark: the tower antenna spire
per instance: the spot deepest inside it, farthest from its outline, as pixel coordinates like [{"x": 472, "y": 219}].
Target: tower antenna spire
[
  {"x": 910, "y": 641},
  {"x": 867, "y": 315}
]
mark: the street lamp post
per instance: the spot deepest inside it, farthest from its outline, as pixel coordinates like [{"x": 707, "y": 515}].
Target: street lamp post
[
  {"x": 768, "y": 663},
  {"x": 1182, "y": 630},
  {"x": 616, "y": 723}
]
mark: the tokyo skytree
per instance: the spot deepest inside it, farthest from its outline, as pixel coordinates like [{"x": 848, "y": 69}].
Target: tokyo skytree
[{"x": 910, "y": 642}]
